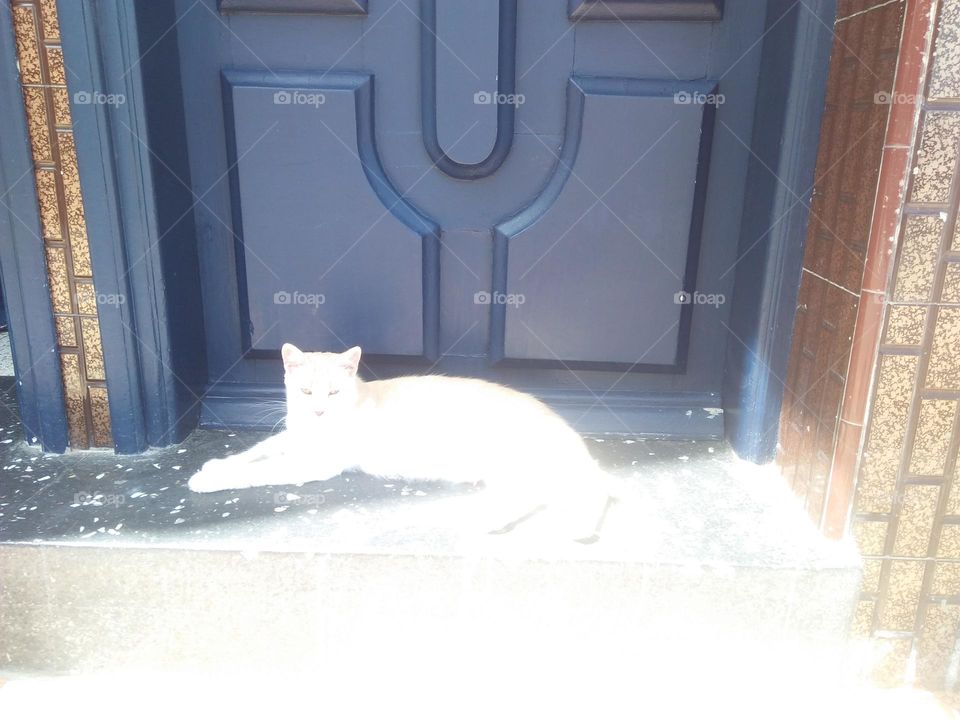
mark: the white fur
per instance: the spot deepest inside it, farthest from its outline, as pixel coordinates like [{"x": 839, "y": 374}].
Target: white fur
[{"x": 429, "y": 427}]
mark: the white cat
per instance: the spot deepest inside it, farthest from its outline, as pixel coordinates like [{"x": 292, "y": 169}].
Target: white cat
[{"x": 429, "y": 427}]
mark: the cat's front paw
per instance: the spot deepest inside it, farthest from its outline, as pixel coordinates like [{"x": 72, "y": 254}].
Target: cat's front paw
[{"x": 213, "y": 476}]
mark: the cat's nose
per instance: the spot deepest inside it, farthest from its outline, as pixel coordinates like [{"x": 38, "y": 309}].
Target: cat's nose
[{"x": 318, "y": 413}]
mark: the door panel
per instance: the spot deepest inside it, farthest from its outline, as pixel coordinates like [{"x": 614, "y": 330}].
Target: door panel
[
  {"x": 605, "y": 248},
  {"x": 330, "y": 249},
  {"x": 345, "y": 199}
]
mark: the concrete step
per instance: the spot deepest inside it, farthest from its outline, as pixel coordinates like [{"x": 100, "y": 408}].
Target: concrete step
[{"x": 708, "y": 573}]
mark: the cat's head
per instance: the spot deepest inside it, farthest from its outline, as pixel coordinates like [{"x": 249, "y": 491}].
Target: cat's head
[{"x": 320, "y": 385}]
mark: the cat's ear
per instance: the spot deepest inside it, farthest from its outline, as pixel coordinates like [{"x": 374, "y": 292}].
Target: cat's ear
[
  {"x": 292, "y": 356},
  {"x": 350, "y": 359}
]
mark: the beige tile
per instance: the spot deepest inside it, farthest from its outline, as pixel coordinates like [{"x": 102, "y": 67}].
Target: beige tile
[
  {"x": 944, "y": 368},
  {"x": 92, "y": 350},
  {"x": 905, "y": 324},
  {"x": 59, "y": 281},
  {"x": 86, "y": 298},
  {"x": 49, "y": 204},
  {"x": 945, "y": 74},
  {"x": 871, "y": 535},
  {"x": 100, "y": 411},
  {"x": 949, "y": 544},
  {"x": 936, "y": 157},
  {"x": 863, "y": 619},
  {"x": 51, "y": 23},
  {"x": 916, "y": 520},
  {"x": 951, "y": 283},
  {"x": 28, "y": 49},
  {"x": 881, "y": 458},
  {"x": 55, "y": 67},
  {"x": 892, "y": 658},
  {"x": 36, "y": 110},
  {"x": 899, "y": 608},
  {"x": 870, "y": 582},
  {"x": 946, "y": 579},
  {"x": 74, "y": 398},
  {"x": 932, "y": 441},
  {"x": 75, "y": 216},
  {"x": 936, "y": 644},
  {"x": 66, "y": 331},
  {"x": 61, "y": 107}
]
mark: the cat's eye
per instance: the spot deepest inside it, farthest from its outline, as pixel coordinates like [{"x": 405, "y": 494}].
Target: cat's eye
[
  {"x": 333, "y": 392},
  {"x": 306, "y": 391}
]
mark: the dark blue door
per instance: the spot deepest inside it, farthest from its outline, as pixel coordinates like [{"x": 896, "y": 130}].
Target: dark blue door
[{"x": 546, "y": 193}]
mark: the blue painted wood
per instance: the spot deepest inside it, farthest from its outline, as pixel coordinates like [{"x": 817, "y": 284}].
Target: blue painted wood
[
  {"x": 23, "y": 266},
  {"x": 138, "y": 209},
  {"x": 549, "y": 50},
  {"x": 643, "y": 148},
  {"x": 506, "y": 88},
  {"x": 790, "y": 104},
  {"x": 296, "y": 7},
  {"x": 309, "y": 193},
  {"x": 467, "y": 98},
  {"x": 633, "y": 10}
]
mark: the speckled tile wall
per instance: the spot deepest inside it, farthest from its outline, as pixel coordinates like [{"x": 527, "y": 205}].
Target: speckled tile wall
[
  {"x": 906, "y": 505},
  {"x": 72, "y": 293}
]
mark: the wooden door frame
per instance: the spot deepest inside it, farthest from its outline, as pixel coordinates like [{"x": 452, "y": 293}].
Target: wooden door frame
[{"x": 154, "y": 362}]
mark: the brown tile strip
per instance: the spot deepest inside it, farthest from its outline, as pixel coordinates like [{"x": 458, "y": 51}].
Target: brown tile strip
[
  {"x": 894, "y": 171},
  {"x": 72, "y": 293}
]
